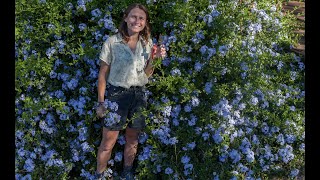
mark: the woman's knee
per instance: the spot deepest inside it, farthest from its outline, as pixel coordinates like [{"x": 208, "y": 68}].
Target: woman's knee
[
  {"x": 132, "y": 140},
  {"x": 108, "y": 140},
  {"x": 132, "y": 135},
  {"x": 106, "y": 146}
]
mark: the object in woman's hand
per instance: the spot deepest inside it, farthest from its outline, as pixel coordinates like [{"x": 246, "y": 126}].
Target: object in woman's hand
[{"x": 154, "y": 51}]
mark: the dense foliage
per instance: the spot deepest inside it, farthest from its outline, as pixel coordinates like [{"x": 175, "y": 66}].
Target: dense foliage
[{"x": 226, "y": 103}]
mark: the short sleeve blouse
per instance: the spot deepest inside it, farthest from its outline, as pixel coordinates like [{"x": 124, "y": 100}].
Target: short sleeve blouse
[{"x": 126, "y": 67}]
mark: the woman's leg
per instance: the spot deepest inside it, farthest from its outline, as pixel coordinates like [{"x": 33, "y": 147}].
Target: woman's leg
[
  {"x": 109, "y": 138},
  {"x": 130, "y": 149}
]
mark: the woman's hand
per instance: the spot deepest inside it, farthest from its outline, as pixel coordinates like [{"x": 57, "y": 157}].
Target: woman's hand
[
  {"x": 100, "y": 111},
  {"x": 158, "y": 51}
]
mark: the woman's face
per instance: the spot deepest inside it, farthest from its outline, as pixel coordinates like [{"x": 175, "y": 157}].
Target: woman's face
[{"x": 136, "y": 21}]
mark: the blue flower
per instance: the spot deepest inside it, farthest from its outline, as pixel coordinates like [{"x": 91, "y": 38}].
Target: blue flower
[
  {"x": 185, "y": 159},
  {"x": 183, "y": 90},
  {"x": 143, "y": 137},
  {"x": 191, "y": 146},
  {"x": 19, "y": 134},
  {"x": 188, "y": 169},
  {"x": 82, "y": 26},
  {"x": 69, "y": 6},
  {"x": 83, "y": 90},
  {"x": 83, "y": 133},
  {"x": 173, "y": 141},
  {"x": 145, "y": 154},
  {"x": 195, "y": 101},
  {"x": 167, "y": 24},
  {"x": 203, "y": 49},
  {"x": 280, "y": 139},
  {"x": 217, "y": 138},
  {"x": 113, "y": 106},
  {"x": 168, "y": 170},
  {"x": 187, "y": 108},
  {"x": 75, "y": 155},
  {"x": 192, "y": 121},
  {"x": 208, "y": 19},
  {"x": 290, "y": 138},
  {"x": 176, "y": 111},
  {"x": 234, "y": 155},
  {"x": 175, "y": 122},
  {"x": 50, "y": 51},
  {"x": 223, "y": 157},
  {"x": 21, "y": 152},
  {"x": 294, "y": 172},
  {"x": 121, "y": 140},
  {"x": 205, "y": 135},
  {"x": 111, "y": 118},
  {"x": 166, "y": 111},
  {"x": 118, "y": 157},
  {"x": 198, "y": 37},
  {"x": 53, "y": 74},
  {"x": 250, "y": 156},
  {"x": 254, "y": 100},
  {"x": 208, "y": 87},
  {"x": 286, "y": 153},
  {"x": 175, "y": 72},
  {"x": 81, "y": 4},
  {"x": 223, "y": 50},
  {"x": 96, "y": 12},
  {"x": 198, "y": 66},
  {"x": 302, "y": 147},
  {"x": 49, "y": 154},
  {"x": 108, "y": 24},
  {"x": 51, "y": 26},
  {"x": 86, "y": 147},
  {"x": 242, "y": 168},
  {"x": 159, "y": 168},
  {"x": 64, "y": 116}
]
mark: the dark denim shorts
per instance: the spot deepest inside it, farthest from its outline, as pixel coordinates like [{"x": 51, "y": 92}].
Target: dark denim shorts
[{"x": 131, "y": 103}]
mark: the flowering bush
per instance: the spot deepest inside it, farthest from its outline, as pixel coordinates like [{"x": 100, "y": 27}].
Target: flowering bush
[{"x": 226, "y": 103}]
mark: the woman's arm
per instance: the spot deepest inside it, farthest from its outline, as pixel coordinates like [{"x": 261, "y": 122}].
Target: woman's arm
[
  {"x": 102, "y": 80},
  {"x": 149, "y": 68}
]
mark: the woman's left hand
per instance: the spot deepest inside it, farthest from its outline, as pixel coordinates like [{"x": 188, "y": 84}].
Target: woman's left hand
[{"x": 159, "y": 51}]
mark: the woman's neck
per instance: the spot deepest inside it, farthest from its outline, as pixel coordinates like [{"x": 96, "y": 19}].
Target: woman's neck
[{"x": 134, "y": 37}]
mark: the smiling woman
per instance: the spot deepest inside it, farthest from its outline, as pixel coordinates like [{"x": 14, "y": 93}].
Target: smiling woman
[{"x": 124, "y": 71}]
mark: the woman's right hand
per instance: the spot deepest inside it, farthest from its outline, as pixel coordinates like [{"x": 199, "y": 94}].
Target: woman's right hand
[{"x": 100, "y": 111}]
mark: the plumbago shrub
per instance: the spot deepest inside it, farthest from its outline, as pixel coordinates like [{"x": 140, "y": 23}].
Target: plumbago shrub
[{"x": 226, "y": 103}]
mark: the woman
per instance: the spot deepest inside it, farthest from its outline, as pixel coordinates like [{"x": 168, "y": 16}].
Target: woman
[{"x": 125, "y": 67}]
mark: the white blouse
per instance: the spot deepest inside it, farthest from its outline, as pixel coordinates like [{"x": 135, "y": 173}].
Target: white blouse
[{"x": 126, "y": 67}]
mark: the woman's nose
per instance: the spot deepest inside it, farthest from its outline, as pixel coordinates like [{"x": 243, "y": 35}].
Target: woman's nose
[{"x": 137, "y": 20}]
